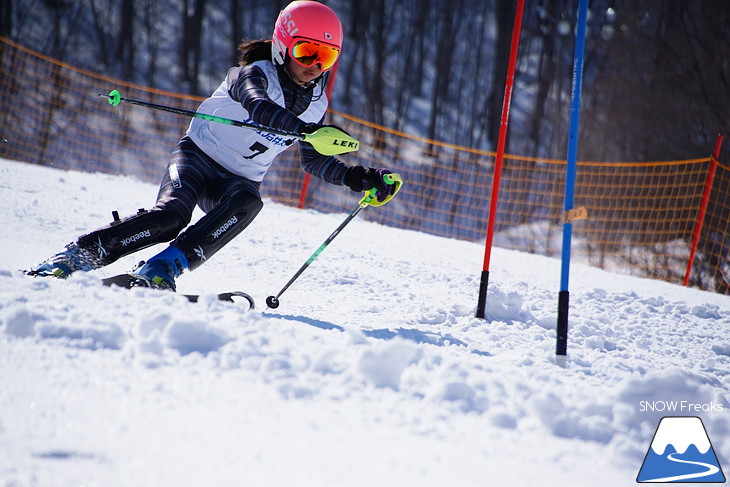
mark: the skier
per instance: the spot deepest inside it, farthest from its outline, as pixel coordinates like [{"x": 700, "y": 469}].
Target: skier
[{"x": 279, "y": 83}]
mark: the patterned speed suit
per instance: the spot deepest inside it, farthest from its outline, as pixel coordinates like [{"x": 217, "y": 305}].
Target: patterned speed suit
[{"x": 220, "y": 168}]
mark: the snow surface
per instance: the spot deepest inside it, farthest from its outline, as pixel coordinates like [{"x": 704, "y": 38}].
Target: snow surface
[{"x": 373, "y": 372}]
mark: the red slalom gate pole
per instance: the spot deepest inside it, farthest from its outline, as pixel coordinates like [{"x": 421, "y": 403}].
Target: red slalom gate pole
[
  {"x": 303, "y": 191},
  {"x": 703, "y": 208},
  {"x": 484, "y": 281},
  {"x": 307, "y": 176}
]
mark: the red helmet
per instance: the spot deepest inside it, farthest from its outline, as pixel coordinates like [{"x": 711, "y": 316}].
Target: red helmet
[{"x": 306, "y": 20}]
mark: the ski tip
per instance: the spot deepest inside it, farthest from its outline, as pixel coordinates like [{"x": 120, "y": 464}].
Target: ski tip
[
  {"x": 238, "y": 297},
  {"x": 53, "y": 274}
]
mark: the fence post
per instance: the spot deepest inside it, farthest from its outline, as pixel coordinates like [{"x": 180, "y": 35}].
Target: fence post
[
  {"x": 307, "y": 176},
  {"x": 703, "y": 208}
]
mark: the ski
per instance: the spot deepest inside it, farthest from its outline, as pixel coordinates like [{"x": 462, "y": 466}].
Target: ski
[{"x": 127, "y": 280}]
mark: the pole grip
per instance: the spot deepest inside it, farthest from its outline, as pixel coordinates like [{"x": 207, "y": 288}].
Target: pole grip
[{"x": 370, "y": 199}]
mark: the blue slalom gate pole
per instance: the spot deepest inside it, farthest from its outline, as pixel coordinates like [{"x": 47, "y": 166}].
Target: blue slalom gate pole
[{"x": 561, "y": 348}]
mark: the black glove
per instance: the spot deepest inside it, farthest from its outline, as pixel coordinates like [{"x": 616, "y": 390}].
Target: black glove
[{"x": 357, "y": 178}]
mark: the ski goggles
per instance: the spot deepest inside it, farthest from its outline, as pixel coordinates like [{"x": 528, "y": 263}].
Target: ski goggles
[{"x": 307, "y": 53}]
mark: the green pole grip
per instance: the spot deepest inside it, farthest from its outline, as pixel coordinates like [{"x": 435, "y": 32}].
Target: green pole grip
[
  {"x": 114, "y": 97},
  {"x": 370, "y": 199}
]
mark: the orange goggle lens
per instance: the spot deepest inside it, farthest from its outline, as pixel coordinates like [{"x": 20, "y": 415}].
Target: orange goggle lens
[{"x": 308, "y": 53}]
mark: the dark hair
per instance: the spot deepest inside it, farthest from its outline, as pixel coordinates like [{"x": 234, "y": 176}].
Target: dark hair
[{"x": 252, "y": 51}]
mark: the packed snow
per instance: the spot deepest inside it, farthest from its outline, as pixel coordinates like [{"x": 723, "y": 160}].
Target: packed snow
[{"x": 372, "y": 372}]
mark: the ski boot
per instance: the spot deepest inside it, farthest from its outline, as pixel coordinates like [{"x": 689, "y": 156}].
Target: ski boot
[
  {"x": 161, "y": 270},
  {"x": 65, "y": 263}
]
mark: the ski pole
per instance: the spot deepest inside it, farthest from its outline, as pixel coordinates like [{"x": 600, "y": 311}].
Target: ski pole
[
  {"x": 328, "y": 141},
  {"x": 273, "y": 301}
]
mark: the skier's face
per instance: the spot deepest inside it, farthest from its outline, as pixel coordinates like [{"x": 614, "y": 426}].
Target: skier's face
[{"x": 303, "y": 75}]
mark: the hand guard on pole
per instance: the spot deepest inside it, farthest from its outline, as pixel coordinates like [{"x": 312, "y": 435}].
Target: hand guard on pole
[{"x": 357, "y": 178}]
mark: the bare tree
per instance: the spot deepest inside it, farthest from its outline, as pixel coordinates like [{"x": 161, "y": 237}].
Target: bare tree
[
  {"x": 126, "y": 41},
  {"x": 190, "y": 45},
  {"x": 6, "y": 18}
]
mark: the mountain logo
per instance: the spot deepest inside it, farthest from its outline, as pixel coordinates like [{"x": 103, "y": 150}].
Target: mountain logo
[{"x": 681, "y": 452}]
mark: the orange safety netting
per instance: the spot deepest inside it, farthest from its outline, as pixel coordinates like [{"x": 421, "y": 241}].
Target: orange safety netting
[{"x": 641, "y": 216}]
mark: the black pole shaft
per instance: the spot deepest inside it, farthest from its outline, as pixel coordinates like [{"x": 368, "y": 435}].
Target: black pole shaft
[
  {"x": 561, "y": 346},
  {"x": 482, "y": 300},
  {"x": 275, "y": 299},
  {"x": 203, "y": 116}
]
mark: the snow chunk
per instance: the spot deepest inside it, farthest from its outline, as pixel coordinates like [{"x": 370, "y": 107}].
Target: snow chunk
[
  {"x": 20, "y": 322},
  {"x": 707, "y": 311},
  {"x": 384, "y": 366},
  {"x": 92, "y": 336},
  {"x": 193, "y": 336},
  {"x": 507, "y": 307},
  {"x": 723, "y": 349},
  {"x": 462, "y": 394}
]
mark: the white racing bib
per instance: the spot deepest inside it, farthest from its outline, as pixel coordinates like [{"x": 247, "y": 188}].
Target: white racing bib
[{"x": 246, "y": 152}]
